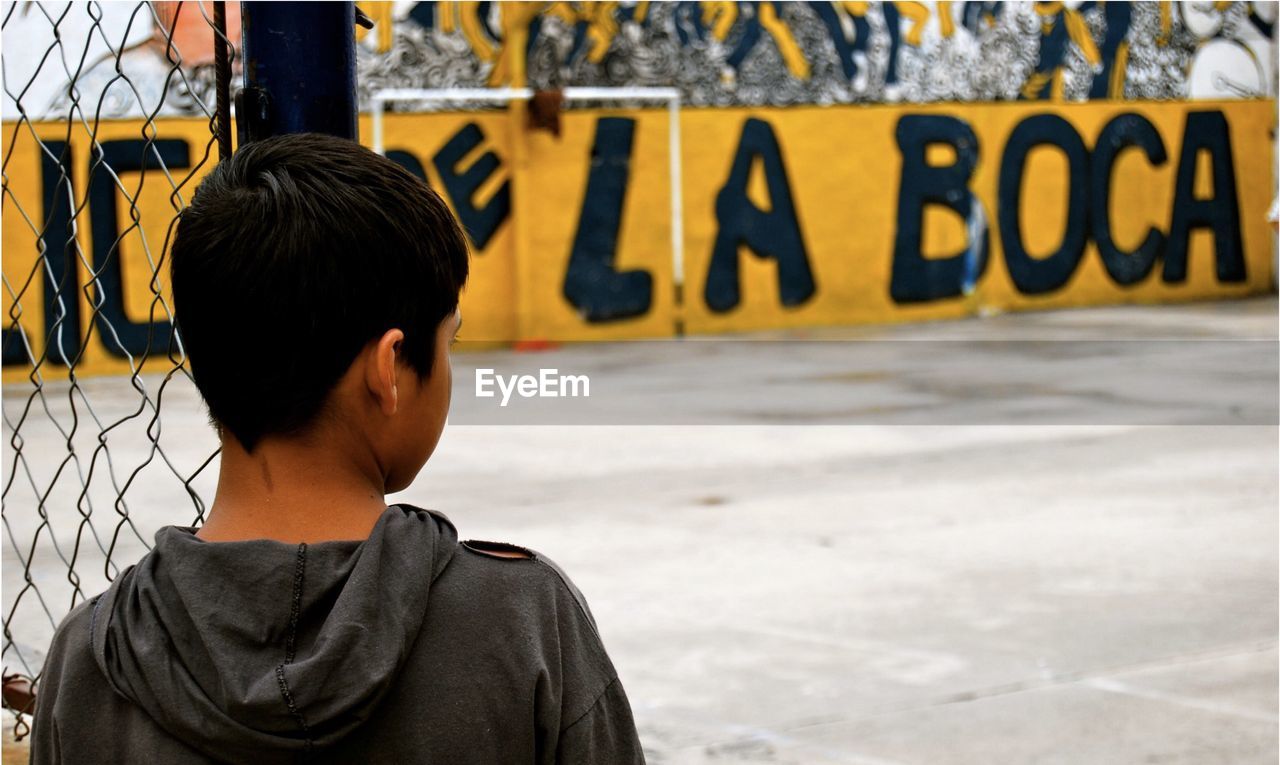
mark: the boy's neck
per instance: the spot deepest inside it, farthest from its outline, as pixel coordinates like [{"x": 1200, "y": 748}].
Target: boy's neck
[{"x": 295, "y": 490}]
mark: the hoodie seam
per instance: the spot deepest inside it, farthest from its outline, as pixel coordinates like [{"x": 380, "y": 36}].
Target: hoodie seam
[
  {"x": 93, "y": 617},
  {"x": 295, "y": 602},
  {"x": 295, "y": 607},
  {"x": 293, "y": 709},
  {"x": 595, "y": 703}
]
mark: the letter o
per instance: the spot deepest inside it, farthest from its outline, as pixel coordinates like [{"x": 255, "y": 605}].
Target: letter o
[{"x": 1034, "y": 276}]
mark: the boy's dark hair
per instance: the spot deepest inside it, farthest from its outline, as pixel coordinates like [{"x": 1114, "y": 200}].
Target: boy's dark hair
[{"x": 293, "y": 255}]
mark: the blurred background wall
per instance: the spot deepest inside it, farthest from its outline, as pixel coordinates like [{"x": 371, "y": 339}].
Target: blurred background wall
[{"x": 842, "y": 162}]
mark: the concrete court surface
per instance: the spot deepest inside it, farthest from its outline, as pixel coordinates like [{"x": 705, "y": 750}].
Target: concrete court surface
[{"x": 868, "y": 594}]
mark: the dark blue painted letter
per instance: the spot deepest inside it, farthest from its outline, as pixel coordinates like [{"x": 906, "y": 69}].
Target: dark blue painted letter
[
  {"x": 1206, "y": 131},
  {"x": 917, "y": 278},
  {"x": 121, "y": 336},
  {"x": 1120, "y": 133},
  {"x": 590, "y": 283},
  {"x": 59, "y": 273},
  {"x": 480, "y": 223},
  {"x": 774, "y": 234},
  {"x": 1034, "y": 276}
]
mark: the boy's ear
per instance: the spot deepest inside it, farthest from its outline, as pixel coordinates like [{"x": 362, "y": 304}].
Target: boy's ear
[{"x": 380, "y": 371}]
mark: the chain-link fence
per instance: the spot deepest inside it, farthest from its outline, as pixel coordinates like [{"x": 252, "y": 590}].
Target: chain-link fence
[{"x": 109, "y": 122}]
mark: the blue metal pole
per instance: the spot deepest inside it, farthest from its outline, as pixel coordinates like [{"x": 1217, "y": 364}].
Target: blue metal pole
[{"x": 299, "y": 69}]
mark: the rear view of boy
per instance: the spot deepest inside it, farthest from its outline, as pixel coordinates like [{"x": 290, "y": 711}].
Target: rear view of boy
[{"x": 316, "y": 288}]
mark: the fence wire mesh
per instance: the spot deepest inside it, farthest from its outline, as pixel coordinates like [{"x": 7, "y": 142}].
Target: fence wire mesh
[{"x": 90, "y": 468}]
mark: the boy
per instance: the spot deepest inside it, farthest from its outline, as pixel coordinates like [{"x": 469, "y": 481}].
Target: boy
[{"x": 316, "y": 290}]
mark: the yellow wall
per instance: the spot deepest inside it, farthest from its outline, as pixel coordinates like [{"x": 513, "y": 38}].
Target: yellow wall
[
  {"x": 152, "y": 196},
  {"x": 844, "y": 171}
]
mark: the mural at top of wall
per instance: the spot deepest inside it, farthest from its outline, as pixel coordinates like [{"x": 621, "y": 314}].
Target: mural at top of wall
[
  {"x": 716, "y": 53},
  {"x": 783, "y": 53}
]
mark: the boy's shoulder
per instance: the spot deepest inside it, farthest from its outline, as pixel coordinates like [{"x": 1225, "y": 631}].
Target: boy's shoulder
[
  {"x": 74, "y": 635},
  {"x": 506, "y": 574},
  {"x": 502, "y": 599},
  {"x": 75, "y": 652},
  {"x": 70, "y": 661}
]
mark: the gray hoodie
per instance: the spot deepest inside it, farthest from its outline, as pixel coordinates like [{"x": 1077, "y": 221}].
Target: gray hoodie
[{"x": 406, "y": 647}]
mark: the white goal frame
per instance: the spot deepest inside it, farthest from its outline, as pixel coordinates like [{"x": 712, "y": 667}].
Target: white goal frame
[{"x": 668, "y": 96}]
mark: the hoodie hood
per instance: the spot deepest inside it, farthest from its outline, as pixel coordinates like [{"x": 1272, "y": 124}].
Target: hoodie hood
[{"x": 260, "y": 651}]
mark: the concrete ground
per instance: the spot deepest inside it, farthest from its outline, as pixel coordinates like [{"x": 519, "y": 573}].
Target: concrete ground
[{"x": 988, "y": 592}]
